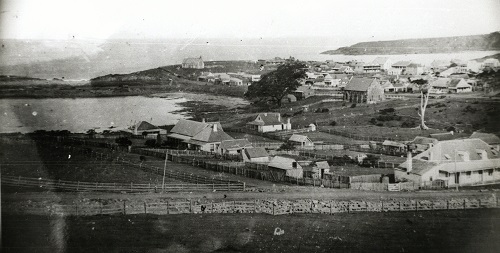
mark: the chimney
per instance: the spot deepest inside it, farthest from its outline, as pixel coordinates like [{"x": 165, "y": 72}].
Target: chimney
[
  {"x": 409, "y": 161},
  {"x": 203, "y": 120},
  {"x": 215, "y": 127},
  {"x": 279, "y": 117},
  {"x": 135, "y": 128},
  {"x": 265, "y": 114}
]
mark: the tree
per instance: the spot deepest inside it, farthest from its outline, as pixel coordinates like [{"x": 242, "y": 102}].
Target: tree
[
  {"x": 424, "y": 99},
  {"x": 275, "y": 85},
  {"x": 91, "y": 133},
  {"x": 288, "y": 145}
]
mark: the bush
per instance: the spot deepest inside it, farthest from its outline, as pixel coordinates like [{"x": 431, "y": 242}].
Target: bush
[
  {"x": 333, "y": 123},
  {"x": 409, "y": 124},
  {"x": 325, "y": 110},
  {"x": 373, "y": 121},
  {"x": 370, "y": 160},
  {"x": 288, "y": 145},
  {"x": 470, "y": 109},
  {"x": 387, "y": 110},
  {"x": 451, "y": 128},
  {"x": 380, "y": 124},
  {"x": 150, "y": 143},
  {"x": 353, "y": 106},
  {"x": 123, "y": 141}
]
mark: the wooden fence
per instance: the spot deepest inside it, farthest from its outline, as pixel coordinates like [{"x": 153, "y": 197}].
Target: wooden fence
[
  {"x": 49, "y": 184},
  {"x": 267, "y": 206}
]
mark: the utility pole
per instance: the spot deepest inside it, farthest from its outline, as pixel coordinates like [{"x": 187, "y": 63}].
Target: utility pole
[
  {"x": 164, "y": 171},
  {"x": 456, "y": 174}
]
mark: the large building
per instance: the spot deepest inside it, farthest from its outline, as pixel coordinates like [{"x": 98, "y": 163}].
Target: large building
[
  {"x": 452, "y": 162},
  {"x": 193, "y": 63},
  {"x": 364, "y": 90},
  {"x": 197, "y": 135}
]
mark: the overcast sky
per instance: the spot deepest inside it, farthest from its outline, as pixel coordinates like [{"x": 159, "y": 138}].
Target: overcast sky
[{"x": 356, "y": 19}]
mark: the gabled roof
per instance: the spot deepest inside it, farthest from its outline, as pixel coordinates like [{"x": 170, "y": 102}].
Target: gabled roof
[
  {"x": 209, "y": 135},
  {"x": 359, "y": 84},
  {"x": 192, "y": 60},
  {"x": 235, "y": 144},
  {"x": 440, "y": 82},
  {"x": 393, "y": 144},
  {"x": 322, "y": 165},
  {"x": 284, "y": 163},
  {"x": 299, "y": 138},
  {"x": 256, "y": 152},
  {"x": 402, "y": 63},
  {"x": 143, "y": 125},
  {"x": 188, "y": 127},
  {"x": 424, "y": 140},
  {"x": 448, "y": 151},
  {"x": 486, "y": 137},
  {"x": 267, "y": 119},
  {"x": 455, "y": 82},
  {"x": 380, "y": 60},
  {"x": 443, "y": 136}
]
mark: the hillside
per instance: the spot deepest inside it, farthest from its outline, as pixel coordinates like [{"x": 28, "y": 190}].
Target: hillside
[{"x": 423, "y": 46}]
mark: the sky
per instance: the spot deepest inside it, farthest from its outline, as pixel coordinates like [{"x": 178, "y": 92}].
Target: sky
[{"x": 356, "y": 20}]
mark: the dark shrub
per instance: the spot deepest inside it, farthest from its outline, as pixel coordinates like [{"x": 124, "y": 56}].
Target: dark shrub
[
  {"x": 333, "y": 123},
  {"x": 353, "y": 106},
  {"x": 380, "y": 124},
  {"x": 451, "y": 128},
  {"x": 150, "y": 143},
  {"x": 123, "y": 141}
]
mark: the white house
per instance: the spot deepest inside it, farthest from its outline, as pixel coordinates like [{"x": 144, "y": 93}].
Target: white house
[
  {"x": 384, "y": 63},
  {"x": 454, "y": 162},
  {"x": 269, "y": 122},
  {"x": 198, "y": 135},
  {"x": 301, "y": 140},
  {"x": 474, "y": 66},
  {"x": 289, "y": 165},
  {"x": 459, "y": 86}
]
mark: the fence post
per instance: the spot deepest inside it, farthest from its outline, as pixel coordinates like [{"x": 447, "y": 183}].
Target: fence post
[
  {"x": 331, "y": 204},
  {"x": 124, "y": 207},
  {"x": 168, "y": 211},
  {"x": 416, "y": 205},
  {"x": 145, "y": 208},
  {"x": 400, "y": 206},
  {"x": 100, "y": 207},
  {"x": 273, "y": 208},
  {"x": 191, "y": 206},
  {"x": 131, "y": 186},
  {"x": 465, "y": 203},
  {"x": 349, "y": 207},
  {"x": 78, "y": 186},
  {"x": 479, "y": 203},
  {"x": 382, "y": 206},
  {"x": 76, "y": 208},
  {"x": 254, "y": 206},
  {"x": 447, "y": 204}
]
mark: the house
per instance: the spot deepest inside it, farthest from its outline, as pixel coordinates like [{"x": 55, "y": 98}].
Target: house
[
  {"x": 222, "y": 78},
  {"x": 269, "y": 122},
  {"x": 303, "y": 92},
  {"x": 421, "y": 144},
  {"x": 286, "y": 166},
  {"x": 193, "y": 63},
  {"x": 346, "y": 70},
  {"x": 197, "y": 135},
  {"x": 387, "y": 86},
  {"x": 316, "y": 170},
  {"x": 256, "y": 155},
  {"x": 439, "y": 85},
  {"x": 491, "y": 63},
  {"x": 371, "y": 67},
  {"x": 491, "y": 139},
  {"x": 233, "y": 147},
  {"x": 235, "y": 81},
  {"x": 414, "y": 69},
  {"x": 144, "y": 128},
  {"x": 341, "y": 80},
  {"x": 474, "y": 66},
  {"x": 401, "y": 65},
  {"x": 439, "y": 64},
  {"x": 206, "y": 77},
  {"x": 383, "y": 62},
  {"x": 454, "y": 162},
  {"x": 459, "y": 86},
  {"x": 363, "y": 90},
  {"x": 393, "y": 147},
  {"x": 301, "y": 140},
  {"x": 394, "y": 71},
  {"x": 448, "y": 72}
]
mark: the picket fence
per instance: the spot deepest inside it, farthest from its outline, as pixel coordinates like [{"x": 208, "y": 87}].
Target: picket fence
[{"x": 262, "y": 206}]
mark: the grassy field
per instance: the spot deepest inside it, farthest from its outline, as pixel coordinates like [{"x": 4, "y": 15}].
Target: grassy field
[
  {"x": 30, "y": 160},
  {"x": 430, "y": 231}
]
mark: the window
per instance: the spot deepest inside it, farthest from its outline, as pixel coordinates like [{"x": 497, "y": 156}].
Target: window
[
  {"x": 490, "y": 172},
  {"x": 468, "y": 173}
]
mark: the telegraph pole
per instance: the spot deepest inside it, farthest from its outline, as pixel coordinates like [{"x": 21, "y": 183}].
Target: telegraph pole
[{"x": 164, "y": 171}]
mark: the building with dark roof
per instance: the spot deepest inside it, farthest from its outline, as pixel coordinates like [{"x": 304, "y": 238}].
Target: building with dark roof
[
  {"x": 145, "y": 128},
  {"x": 454, "y": 162},
  {"x": 364, "y": 90},
  {"x": 257, "y": 155},
  {"x": 197, "y": 135}
]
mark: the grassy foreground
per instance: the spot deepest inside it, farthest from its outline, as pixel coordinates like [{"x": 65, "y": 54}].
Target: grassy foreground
[{"x": 436, "y": 231}]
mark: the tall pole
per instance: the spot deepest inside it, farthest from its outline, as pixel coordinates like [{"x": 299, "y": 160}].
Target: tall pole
[
  {"x": 456, "y": 174},
  {"x": 164, "y": 171}
]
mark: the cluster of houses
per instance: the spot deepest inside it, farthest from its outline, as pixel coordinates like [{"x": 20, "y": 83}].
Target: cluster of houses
[
  {"x": 437, "y": 159},
  {"x": 233, "y": 79}
]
